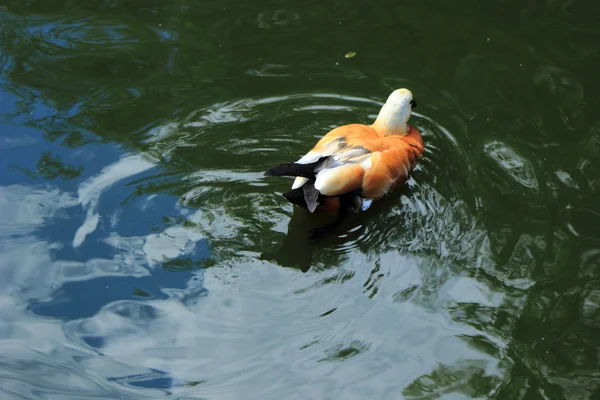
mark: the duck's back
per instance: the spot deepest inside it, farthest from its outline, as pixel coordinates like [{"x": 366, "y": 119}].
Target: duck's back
[
  {"x": 359, "y": 159},
  {"x": 350, "y": 135}
]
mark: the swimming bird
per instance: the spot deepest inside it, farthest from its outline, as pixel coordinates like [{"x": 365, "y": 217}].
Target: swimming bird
[{"x": 356, "y": 164}]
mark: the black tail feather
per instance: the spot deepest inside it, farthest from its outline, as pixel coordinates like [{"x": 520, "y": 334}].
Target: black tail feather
[{"x": 295, "y": 169}]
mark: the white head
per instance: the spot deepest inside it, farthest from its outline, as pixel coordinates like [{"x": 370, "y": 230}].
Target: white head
[{"x": 395, "y": 113}]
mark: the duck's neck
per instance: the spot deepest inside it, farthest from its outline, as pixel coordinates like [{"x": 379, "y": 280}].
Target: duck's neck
[{"x": 392, "y": 121}]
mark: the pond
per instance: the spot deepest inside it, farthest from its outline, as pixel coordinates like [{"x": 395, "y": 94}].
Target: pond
[{"x": 143, "y": 254}]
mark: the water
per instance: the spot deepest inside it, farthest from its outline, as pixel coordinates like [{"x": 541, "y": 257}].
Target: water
[{"x": 144, "y": 255}]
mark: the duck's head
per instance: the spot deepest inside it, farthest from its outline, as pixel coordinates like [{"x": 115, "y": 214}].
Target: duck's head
[{"x": 395, "y": 113}]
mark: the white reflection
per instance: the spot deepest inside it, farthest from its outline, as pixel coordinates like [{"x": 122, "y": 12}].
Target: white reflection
[
  {"x": 156, "y": 248},
  {"x": 28, "y": 266},
  {"x": 91, "y": 189},
  {"x": 38, "y": 359},
  {"x": 263, "y": 329},
  {"x": 23, "y": 209},
  {"x": 256, "y": 334}
]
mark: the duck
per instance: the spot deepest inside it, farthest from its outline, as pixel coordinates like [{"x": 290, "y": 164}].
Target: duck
[{"x": 355, "y": 164}]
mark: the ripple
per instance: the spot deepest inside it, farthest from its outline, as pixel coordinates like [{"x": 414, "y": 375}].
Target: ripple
[
  {"x": 518, "y": 167},
  {"x": 229, "y": 334},
  {"x": 566, "y": 179},
  {"x": 567, "y": 92},
  {"x": 559, "y": 83},
  {"x": 50, "y": 377},
  {"x": 399, "y": 266},
  {"x": 271, "y": 70},
  {"x": 192, "y": 277},
  {"x": 434, "y": 212},
  {"x": 274, "y": 18}
]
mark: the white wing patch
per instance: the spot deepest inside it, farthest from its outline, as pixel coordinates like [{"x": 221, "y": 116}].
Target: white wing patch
[
  {"x": 353, "y": 152},
  {"x": 299, "y": 182},
  {"x": 308, "y": 158},
  {"x": 366, "y": 163},
  {"x": 323, "y": 178},
  {"x": 339, "y": 155}
]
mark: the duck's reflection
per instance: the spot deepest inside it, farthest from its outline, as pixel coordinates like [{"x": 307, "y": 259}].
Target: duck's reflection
[{"x": 355, "y": 231}]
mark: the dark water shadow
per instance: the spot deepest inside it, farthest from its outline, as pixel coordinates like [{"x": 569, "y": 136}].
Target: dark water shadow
[{"x": 296, "y": 251}]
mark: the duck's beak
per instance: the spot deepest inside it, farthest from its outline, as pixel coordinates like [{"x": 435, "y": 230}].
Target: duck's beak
[{"x": 413, "y": 103}]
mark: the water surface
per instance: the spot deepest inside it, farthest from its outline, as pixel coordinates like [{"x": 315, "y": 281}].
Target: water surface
[{"x": 144, "y": 255}]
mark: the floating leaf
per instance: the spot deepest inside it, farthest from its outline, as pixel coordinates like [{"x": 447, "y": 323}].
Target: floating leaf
[{"x": 350, "y": 54}]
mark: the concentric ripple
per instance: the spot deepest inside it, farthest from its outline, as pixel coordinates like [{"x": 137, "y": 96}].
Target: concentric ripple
[
  {"x": 414, "y": 266},
  {"x": 273, "y": 308}
]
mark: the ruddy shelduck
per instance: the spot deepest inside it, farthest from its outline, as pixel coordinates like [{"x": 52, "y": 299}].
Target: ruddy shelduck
[{"x": 355, "y": 164}]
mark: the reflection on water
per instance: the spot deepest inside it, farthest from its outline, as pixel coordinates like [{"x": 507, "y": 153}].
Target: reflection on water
[
  {"x": 90, "y": 191},
  {"x": 144, "y": 255},
  {"x": 395, "y": 266}
]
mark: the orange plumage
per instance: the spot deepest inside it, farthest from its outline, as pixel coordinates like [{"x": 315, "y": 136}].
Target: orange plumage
[{"x": 355, "y": 164}]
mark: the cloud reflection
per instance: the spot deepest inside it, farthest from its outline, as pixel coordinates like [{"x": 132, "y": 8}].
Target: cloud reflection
[
  {"x": 38, "y": 359},
  {"x": 91, "y": 189}
]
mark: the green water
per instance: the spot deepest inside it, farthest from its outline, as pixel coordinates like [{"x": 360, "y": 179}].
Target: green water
[{"x": 144, "y": 255}]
